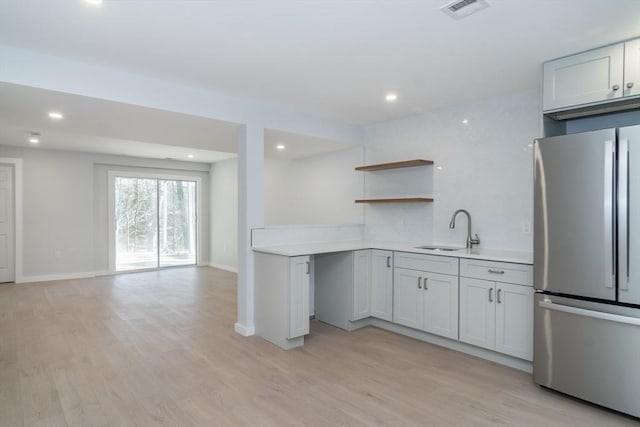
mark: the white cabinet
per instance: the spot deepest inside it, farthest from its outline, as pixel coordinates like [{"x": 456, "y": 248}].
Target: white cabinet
[
  {"x": 382, "y": 284},
  {"x": 632, "y": 68},
  {"x": 282, "y": 298},
  {"x": 426, "y": 301},
  {"x": 441, "y": 305},
  {"x": 407, "y": 297},
  {"x": 605, "y": 74},
  {"x": 299, "y": 296},
  {"x": 477, "y": 312},
  {"x": 494, "y": 314},
  {"x": 372, "y": 284},
  {"x": 361, "y": 284},
  {"x": 514, "y": 320}
]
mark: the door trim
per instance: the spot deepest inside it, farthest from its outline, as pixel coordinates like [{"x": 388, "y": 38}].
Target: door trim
[
  {"x": 18, "y": 242},
  {"x": 111, "y": 185}
]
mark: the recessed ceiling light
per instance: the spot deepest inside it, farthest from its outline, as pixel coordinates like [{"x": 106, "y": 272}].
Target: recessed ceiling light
[
  {"x": 190, "y": 156},
  {"x": 280, "y": 147},
  {"x": 55, "y": 115},
  {"x": 34, "y": 138},
  {"x": 465, "y": 121},
  {"x": 94, "y": 2},
  {"x": 391, "y": 97}
]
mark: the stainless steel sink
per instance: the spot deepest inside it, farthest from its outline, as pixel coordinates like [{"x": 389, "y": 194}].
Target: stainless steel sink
[{"x": 439, "y": 248}]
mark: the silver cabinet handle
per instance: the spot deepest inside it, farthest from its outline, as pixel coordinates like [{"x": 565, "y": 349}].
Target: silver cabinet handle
[
  {"x": 419, "y": 282},
  {"x": 499, "y": 292},
  {"x": 388, "y": 262},
  {"x": 629, "y": 85},
  {"x": 490, "y": 294},
  {"x": 426, "y": 283},
  {"x": 308, "y": 267},
  {"x": 615, "y": 87},
  {"x": 491, "y": 270}
]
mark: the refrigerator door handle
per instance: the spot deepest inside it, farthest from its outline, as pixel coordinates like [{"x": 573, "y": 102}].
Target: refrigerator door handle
[
  {"x": 546, "y": 304},
  {"x": 623, "y": 216},
  {"x": 609, "y": 158}
]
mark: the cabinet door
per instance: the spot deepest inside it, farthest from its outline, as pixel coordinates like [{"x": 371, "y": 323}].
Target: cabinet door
[
  {"x": 477, "y": 312},
  {"x": 441, "y": 305},
  {"x": 584, "y": 78},
  {"x": 299, "y": 296},
  {"x": 632, "y": 68},
  {"x": 361, "y": 284},
  {"x": 382, "y": 284},
  {"x": 514, "y": 320},
  {"x": 408, "y": 297}
]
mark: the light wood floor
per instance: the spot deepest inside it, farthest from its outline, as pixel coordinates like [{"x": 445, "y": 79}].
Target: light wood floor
[{"x": 158, "y": 348}]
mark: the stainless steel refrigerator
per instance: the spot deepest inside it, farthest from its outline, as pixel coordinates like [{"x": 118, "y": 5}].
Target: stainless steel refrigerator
[{"x": 587, "y": 266}]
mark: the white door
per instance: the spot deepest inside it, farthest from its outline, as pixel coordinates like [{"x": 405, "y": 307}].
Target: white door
[
  {"x": 382, "y": 284},
  {"x": 7, "y": 248},
  {"x": 514, "y": 320},
  {"x": 478, "y": 312},
  {"x": 361, "y": 284},
  {"x": 441, "y": 305},
  {"x": 632, "y": 68},
  {"x": 584, "y": 78},
  {"x": 408, "y": 298},
  {"x": 300, "y": 269}
]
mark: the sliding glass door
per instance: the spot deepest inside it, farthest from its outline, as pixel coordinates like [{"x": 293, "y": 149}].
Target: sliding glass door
[{"x": 155, "y": 223}]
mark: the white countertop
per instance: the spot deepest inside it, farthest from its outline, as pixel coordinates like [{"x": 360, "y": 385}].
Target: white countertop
[{"x": 352, "y": 245}]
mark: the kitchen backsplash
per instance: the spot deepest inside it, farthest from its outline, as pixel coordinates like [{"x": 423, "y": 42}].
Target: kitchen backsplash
[{"x": 482, "y": 155}]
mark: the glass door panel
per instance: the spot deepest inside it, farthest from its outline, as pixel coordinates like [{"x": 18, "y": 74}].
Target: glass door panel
[
  {"x": 177, "y": 222},
  {"x": 136, "y": 223}
]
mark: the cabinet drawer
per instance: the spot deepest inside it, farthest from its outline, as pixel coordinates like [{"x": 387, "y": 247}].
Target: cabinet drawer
[
  {"x": 431, "y": 263},
  {"x": 497, "y": 271}
]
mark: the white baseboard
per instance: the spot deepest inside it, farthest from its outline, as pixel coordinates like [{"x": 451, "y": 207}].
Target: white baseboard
[
  {"x": 223, "y": 267},
  {"x": 244, "y": 330},
  {"x": 103, "y": 273},
  {"x": 52, "y": 277},
  {"x": 503, "y": 359}
]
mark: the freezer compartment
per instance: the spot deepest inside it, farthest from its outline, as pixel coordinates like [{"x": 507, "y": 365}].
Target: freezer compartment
[{"x": 588, "y": 350}]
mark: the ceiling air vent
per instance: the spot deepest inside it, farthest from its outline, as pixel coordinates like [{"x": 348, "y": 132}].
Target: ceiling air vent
[{"x": 459, "y": 9}]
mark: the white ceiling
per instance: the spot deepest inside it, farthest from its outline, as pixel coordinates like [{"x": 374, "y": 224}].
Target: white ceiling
[
  {"x": 99, "y": 126},
  {"x": 297, "y": 146},
  {"x": 95, "y": 125},
  {"x": 336, "y": 58}
]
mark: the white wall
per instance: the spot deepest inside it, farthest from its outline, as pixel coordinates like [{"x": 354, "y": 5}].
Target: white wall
[
  {"x": 486, "y": 168},
  {"x": 223, "y": 241},
  {"x": 65, "y": 208},
  {"x": 319, "y": 189}
]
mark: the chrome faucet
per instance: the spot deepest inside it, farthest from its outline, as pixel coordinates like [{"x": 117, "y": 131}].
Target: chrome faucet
[{"x": 452, "y": 224}]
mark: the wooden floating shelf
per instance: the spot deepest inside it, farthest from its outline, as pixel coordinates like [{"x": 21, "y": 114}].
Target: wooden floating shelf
[
  {"x": 398, "y": 200},
  {"x": 395, "y": 165}
]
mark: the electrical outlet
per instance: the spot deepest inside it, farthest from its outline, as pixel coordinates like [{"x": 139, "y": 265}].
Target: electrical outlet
[{"x": 525, "y": 227}]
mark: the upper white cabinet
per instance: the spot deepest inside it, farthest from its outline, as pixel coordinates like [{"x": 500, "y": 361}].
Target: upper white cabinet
[
  {"x": 632, "y": 68},
  {"x": 588, "y": 78},
  {"x": 382, "y": 284},
  {"x": 593, "y": 76}
]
